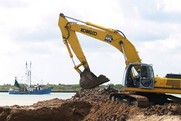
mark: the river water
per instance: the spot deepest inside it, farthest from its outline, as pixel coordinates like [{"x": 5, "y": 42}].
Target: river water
[{"x": 9, "y": 100}]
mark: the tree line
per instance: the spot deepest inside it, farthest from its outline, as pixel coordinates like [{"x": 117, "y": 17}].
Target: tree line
[{"x": 57, "y": 87}]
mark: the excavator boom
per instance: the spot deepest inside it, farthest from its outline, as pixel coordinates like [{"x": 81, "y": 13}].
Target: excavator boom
[{"x": 113, "y": 37}]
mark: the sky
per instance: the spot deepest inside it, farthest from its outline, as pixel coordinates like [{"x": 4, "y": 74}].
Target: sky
[{"x": 29, "y": 32}]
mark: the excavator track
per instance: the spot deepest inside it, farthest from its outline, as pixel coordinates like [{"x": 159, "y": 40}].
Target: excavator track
[{"x": 130, "y": 98}]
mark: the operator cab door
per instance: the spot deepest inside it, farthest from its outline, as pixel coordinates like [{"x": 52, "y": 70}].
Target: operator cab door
[{"x": 139, "y": 75}]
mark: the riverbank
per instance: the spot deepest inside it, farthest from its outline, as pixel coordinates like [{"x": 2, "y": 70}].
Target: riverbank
[
  {"x": 52, "y": 91},
  {"x": 55, "y": 88},
  {"x": 58, "y": 87}
]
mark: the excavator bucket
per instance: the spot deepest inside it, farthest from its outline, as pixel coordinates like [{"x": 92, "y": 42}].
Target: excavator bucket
[{"x": 89, "y": 80}]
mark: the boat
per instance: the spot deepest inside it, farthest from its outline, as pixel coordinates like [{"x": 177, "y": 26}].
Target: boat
[{"x": 30, "y": 89}]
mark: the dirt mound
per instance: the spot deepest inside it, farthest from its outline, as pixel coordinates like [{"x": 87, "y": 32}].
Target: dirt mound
[
  {"x": 111, "y": 111},
  {"x": 67, "y": 111},
  {"x": 102, "y": 108},
  {"x": 88, "y": 105},
  {"x": 95, "y": 94}
]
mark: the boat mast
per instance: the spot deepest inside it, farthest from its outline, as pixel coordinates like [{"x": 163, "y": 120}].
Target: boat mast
[
  {"x": 30, "y": 73},
  {"x": 27, "y": 80}
]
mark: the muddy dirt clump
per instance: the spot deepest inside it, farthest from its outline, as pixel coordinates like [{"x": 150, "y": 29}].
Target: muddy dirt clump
[{"x": 166, "y": 109}]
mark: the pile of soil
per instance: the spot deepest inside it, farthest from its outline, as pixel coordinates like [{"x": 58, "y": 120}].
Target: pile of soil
[{"x": 89, "y": 105}]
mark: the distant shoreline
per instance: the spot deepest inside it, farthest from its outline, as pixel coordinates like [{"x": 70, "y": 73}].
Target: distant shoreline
[{"x": 54, "y": 91}]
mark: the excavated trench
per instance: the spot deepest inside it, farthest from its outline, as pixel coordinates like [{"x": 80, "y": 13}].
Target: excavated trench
[{"x": 88, "y": 105}]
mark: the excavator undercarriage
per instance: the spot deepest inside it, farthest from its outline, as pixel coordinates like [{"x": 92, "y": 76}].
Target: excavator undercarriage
[
  {"x": 130, "y": 98},
  {"x": 143, "y": 99}
]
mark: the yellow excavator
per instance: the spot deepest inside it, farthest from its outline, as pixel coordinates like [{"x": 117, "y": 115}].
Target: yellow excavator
[{"x": 141, "y": 86}]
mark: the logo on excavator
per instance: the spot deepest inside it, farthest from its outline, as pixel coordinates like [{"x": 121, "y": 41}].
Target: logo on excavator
[
  {"x": 88, "y": 31},
  {"x": 108, "y": 38}
]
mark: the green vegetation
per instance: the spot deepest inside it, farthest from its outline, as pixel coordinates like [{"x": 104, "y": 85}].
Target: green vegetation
[
  {"x": 55, "y": 88},
  {"x": 117, "y": 86},
  {"x": 5, "y": 87},
  {"x": 59, "y": 87},
  {"x": 63, "y": 87}
]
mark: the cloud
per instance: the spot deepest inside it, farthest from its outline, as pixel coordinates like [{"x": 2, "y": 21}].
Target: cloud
[
  {"x": 29, "y": 32},
  {"x": 162, "y": 54},
  {"x": 170, "y": 6}
]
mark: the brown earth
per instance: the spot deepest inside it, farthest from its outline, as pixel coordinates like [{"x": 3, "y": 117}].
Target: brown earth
[{"x": 89, "y": 105}]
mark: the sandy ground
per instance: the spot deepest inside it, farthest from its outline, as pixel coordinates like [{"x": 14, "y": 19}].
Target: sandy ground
[{"x": 89, "y": 105}]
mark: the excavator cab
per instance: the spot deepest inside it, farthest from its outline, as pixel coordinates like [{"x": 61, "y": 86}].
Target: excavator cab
[{"x": 139, "y": 75}]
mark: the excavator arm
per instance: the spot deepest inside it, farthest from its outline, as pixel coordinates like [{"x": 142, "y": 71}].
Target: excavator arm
[{"x": 113, "y": 37}]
